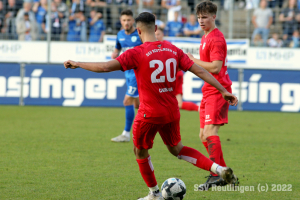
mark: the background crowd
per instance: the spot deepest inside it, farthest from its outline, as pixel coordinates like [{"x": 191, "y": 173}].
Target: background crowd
[{"x": 90, "y": 20}]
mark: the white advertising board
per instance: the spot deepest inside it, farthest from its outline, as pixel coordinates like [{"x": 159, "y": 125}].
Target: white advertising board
[
  {"x": 271, "y": 58},
  {"x": 236, "y": 49},
  {"x": 22, "y": 51},
  {"x": 78, "y": 51}
]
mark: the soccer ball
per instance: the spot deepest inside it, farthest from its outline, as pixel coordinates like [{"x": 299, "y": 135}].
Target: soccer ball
[{"x": 173, "y": 189}]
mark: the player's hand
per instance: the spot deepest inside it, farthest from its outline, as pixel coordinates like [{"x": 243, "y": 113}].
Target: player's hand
[
  {"x": 230, "y": 98},
  {"x": 114, "y": 55},
  {"x": 70, "y": 64},
  {"x": 190, "y": 55}
]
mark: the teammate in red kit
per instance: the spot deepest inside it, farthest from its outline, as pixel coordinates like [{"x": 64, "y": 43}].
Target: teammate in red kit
[
  {"x": 185, "y": 105},
  {"x": 213, "y": 108},
  {"x": 155, "y": 64}
]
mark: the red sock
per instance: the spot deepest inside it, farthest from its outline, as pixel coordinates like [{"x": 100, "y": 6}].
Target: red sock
[
  {"x": 222, "y": 161},
  {"x": 205, "y": 145},
  {"x": 189, "y": 106},
  {"x": 195, "y": 157},
  {"x": 147, "y": 171},
  {"x": 214, "y": 149}
]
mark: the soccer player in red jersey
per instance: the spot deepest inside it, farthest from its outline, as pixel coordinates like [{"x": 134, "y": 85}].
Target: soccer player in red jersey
[
  {"x": 213, "y": 108},
  {"x": 185, "y": 105},
  {"x": 155, "y": 64}
]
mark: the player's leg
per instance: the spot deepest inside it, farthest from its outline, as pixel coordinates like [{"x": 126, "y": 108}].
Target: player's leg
[
  {"x": 202, "y": 123},
  {"x": 213, "y": 114},
  {"x": 178, "y": 91},
  {"x": 143, "y": 136},
  {"x": 186, "y": 105},
  {"x": 170, "y": 133},
  {"x": 136, "y": 103},
  {"x": 129, "y": 104}
]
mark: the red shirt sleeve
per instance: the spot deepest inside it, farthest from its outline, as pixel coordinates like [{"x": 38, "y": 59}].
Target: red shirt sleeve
[
  {"x": 129, "y": 59},
  {"x": 217, "y": 51},
  {"x": 185, "y": 63}
]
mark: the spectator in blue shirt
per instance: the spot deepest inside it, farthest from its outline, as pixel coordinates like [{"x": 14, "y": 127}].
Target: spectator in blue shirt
[
  {"x": 77, "y": 27},
  {"x": 97, "y": 28},
  {"x": 192, "y": 28},
  {"x": 40, "y": 9},
  {"x": 56, "y": 23},
  {"x": 174, "y": 28}
]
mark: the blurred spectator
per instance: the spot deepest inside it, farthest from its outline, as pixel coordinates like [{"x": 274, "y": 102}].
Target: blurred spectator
[
  {"x": 56, "y": 23},
  {"x": 174, "y": 28},
  {"x": 77, "y": 5},
  {"x": 275, "y": 3},
  {"x": 125, "y": 2},
  {"x": 295, "y": 43},
  {"x": 27, "y": 30},
  {"x": 251, "y": 4},
  {"x": 40, "y": 9},
  {"x": 159, "y": 34},
  {"x": 147, "y": 4},
  {"x": 9, "y": 23},
  {"x": 290, "y": 16},
  {"x": 63, "y": 13},
  {"x": 159, "y": 23},
  {"x": 27, "y": 5},
  {"x": 258, "y": 41},
  {"x": 285, "y": 41},
  {"x": 172, "y": 6},
  {"x": 99, "y": 6},
  {"x": 262, "y": 20},
  {"x": 97, "y": 28},
  {"x": 1, "y": 16},
  {"x": 275, "y": 41},
  {"x": 77, "y": 27},
  {"x": 192, "y": 28}
]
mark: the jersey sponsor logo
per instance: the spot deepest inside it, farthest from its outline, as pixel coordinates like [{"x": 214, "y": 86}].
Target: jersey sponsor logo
[
  {"x": 207, "y": 118},
  {"x": 204, "y": 45},
  {"x": 126, "y": 48},
  {"x": 122, "y": 39},
  {"x": 161, "y": 90},
  {"x": 133, "y": 38}
]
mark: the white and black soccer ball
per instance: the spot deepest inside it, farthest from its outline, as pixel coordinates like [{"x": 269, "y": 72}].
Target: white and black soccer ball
[{"x": 173, "y": 189}]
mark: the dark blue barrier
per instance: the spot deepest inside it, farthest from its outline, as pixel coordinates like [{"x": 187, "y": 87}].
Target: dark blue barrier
[
  {"x": 271, "y": 90},
  {"x": 55, "y": 85},
  {"x": 10, "y": 84},
  {"x": 265, "y": 90}
]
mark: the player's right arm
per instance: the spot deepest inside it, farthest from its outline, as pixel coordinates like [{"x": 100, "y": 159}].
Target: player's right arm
[
  {"x": 115, "y": 53},
  {"x": 213, "y": 67},
  {"x": 207, "y": 77},
  {"x": 98, "y": 67},
  {"x": 117, "y": 50}
]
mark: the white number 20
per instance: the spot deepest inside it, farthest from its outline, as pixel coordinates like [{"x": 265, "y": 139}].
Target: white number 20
[{"x": 160, "y": 68}]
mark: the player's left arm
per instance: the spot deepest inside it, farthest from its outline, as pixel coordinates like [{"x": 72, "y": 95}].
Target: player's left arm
[
  {"x": 98, "y": 67},
  {"x": 213, "y": 67},
  {"x": 207, "y": 77}
]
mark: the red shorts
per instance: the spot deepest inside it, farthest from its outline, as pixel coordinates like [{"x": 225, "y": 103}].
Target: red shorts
[
  {"x": 214, "y": 110},
  {"x": 179, "y": 82},
  {"x": 144, "y": 133}
]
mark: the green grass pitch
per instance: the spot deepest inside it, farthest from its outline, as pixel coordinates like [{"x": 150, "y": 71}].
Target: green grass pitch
[{"x": 66, "y": 153}]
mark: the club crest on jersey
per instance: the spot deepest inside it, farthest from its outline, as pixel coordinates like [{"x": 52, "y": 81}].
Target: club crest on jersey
[
  {"x": 159, "y": 45},
  {"x": 133, "y": 39}
]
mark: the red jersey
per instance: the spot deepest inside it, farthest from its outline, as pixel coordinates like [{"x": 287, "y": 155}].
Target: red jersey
[
  {"x": 155, "y": 66},
  {"x": 213, "y": 47}
]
